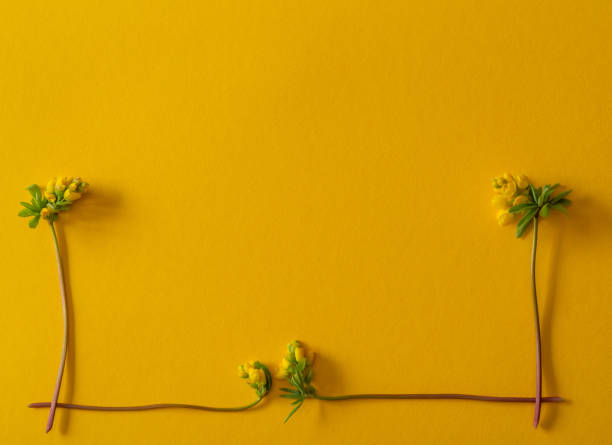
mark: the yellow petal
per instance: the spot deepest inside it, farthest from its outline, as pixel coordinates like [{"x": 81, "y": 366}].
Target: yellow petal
[
  {"x": 71, "y": 196},
  {"x": 520, "y": 199},
  {"x": 299, "y": 353},
  {"x": 504, "y": 217},
  {"x": 500, "y": 202},
  {"x": 522, "y": 182}
]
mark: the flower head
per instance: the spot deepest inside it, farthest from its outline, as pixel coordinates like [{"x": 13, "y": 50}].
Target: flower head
[
  {"x": 57, "y": 197},
  {"x": 515, "y": 194},
  {"x": 296, "y": 367},
  {"x": 257, "y": 376}
]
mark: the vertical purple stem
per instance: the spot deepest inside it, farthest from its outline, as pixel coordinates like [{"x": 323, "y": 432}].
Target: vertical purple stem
[{"x": 60, "y": 372}]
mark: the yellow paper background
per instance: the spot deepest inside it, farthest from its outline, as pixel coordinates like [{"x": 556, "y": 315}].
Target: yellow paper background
[{"x": 264, "y": 171}]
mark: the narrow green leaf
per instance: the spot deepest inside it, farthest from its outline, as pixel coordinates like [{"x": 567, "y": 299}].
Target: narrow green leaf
[
  {"x": 29, "y": 206},
  {"x": 522, "y": 207},
  {"x": 545, "y": 210},
  {"x": 34, "y": 222},
  {"x": 26, "y": 212},
  {"x": 559, "y": 207},
  {"x": 548, "y": 189},
  {"x": 564, "y": 201},
  {"x": 289, "y": 396},
  {"x": 35, "y": 192},
  {"x": 560, "y": 196},
  {"x": 534, "y": 193},
  {"x": 293, "y": 411},
  {"x": 288, "y": 390},
  {"x": 524, "y": 222}
]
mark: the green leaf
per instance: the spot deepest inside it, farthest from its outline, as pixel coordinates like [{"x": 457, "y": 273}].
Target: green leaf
[
  {"x": 302, "y": 364},
  {"x": 35, "y": 192},
  {"x": 548, "y": 189},
  {"x": 293, "y": 411},
  {"x": 524, "y": 222},
  {"x": 290, "y": 396},
  {"x": 564, "y": 201},
  {"x": 545, "y": 210},
  {"x": 559, "y": 207},
  {"x": 560, "y": 196},
  {"x": 289, "y": 390},
  {"x": 26, "y": 212},
  {"x": 522, "y": 207},
  {"x": 534, "y": 193},
  {"x": 29, "y": 206},
  {"x": 34, "y": 222}
]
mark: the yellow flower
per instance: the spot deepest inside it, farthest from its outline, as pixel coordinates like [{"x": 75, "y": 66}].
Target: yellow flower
[
  {"x": 241, "y": 372},
  {"x": 521, "y": 199},
  {"x": 50, "y": 196},
  {"x": 51, "y": 186},
  {"x": 508, "y": 189},
  {"x": 522, "y": 182},
  {"x": 256, "y": 376},
  {"x": 73, "y": 186},
  {"x": 285, "y": 363},
  {"x": 299, "y": 353},
  {"x": 71, "y": 196},
  {"x": 500, "y": 202},
  {"x": 504, "y": 217},
  {"x": 281, "y": 374},
  {"x": 45, "y": 213}
]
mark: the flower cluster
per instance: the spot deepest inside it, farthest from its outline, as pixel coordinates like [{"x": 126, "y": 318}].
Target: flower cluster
[
  {"x": 58, "y": 196},
  {"x": 257, "y": 376},
  {"x": 510, "y": 191},
  {"x": 296, "y": 367},
  {"x": 515, "y": 194}
]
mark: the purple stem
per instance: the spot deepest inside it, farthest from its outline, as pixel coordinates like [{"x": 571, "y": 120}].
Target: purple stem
[
  {"x": 442, "y": 396},
  {"x": 60, "y": 372}
]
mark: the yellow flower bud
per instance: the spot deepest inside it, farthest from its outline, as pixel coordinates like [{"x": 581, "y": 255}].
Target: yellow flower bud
[
  {"x": 299, "y": 353},
  {"x": 71, "y": 196},
  {"x": 521, "y": 199},
  {"x": 51, "y": 186},
  {"x": 281, "y": 374},
  {"x": 50, "y": 196},
  {"x": 256, "y": 376},
  {"x": 522, "y": 182},
  {"x": 73, "y": 187},
  {"x": 504, "y": 217},
  {"x": 509, "y": 189},
  {"x": 500, "y": 202},
  {"x": 45, "y": 213},
  {"x": 241, "y": 372},
  {"x": 285, "y": 364}
]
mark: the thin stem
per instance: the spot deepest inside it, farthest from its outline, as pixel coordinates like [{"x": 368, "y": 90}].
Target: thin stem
[
  {"x": 60, "y": 372},
  {"x": 538, "y": 401},
  {"x": 440, "y": 396},
  {"x": 144, "y": 407}
]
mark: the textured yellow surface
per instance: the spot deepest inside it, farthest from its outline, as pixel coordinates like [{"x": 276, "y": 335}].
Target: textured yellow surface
[{"x": 265, "y": 171}]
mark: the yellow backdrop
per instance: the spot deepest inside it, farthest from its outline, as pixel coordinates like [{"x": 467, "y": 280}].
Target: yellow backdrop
[{"x": 271, "y": 170}]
